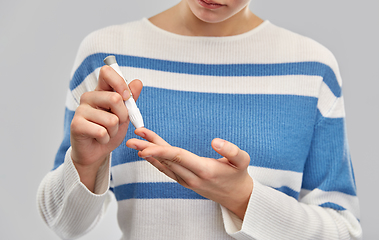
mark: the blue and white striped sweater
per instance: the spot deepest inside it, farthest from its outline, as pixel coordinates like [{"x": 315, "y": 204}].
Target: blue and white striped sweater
[{"x": 275, "y": 94}]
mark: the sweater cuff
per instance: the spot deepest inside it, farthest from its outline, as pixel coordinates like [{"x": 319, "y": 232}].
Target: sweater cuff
[{"x": 81, "y": 209}]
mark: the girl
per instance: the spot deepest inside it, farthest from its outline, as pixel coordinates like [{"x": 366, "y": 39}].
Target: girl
[{"x": 217, "y": 80}]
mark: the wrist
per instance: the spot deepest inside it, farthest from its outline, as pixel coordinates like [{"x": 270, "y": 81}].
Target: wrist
[
  {"x": 88, "y": 173},
  {"x": 238, "y": 205}
]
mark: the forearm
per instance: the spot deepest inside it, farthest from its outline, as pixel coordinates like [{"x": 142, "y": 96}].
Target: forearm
[{"x": 66, "y": 205}]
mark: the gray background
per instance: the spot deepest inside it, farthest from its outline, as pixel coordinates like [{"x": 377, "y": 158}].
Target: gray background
[{"x": 38, "y": 44}]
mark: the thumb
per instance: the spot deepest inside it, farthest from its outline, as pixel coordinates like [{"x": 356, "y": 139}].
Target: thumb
[
  {"x": 231, "y": 152},
  {"x": 136, "y": 88}
]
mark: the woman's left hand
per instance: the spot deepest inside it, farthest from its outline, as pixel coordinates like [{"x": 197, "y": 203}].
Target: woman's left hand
[{"x": 225, "y": 180}]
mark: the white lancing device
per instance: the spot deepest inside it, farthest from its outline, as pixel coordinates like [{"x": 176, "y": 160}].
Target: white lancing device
[{"x": 134, "y": 112}]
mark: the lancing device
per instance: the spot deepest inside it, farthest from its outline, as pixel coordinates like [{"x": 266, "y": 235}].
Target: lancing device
[{"x": 134, "y": 113}]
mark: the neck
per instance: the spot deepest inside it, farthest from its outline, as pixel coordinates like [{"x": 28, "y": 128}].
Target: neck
[{"x": 180, "y": 20}]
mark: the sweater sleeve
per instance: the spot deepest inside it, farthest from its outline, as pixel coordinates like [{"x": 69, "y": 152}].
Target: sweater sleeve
[
  {"x": 327, "y": 207},
  {"x": 66, "y": 205}
]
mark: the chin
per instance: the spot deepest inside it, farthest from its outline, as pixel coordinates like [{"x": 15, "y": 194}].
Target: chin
[{"x": 210, "y": 17}]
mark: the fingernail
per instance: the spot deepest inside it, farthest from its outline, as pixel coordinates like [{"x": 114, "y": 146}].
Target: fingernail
[
  {"x": 126, "y": 94},
  {"x": 218, "y": 143}
]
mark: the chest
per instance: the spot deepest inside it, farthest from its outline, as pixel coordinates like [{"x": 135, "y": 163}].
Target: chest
[{"x": 276, "y": 130}]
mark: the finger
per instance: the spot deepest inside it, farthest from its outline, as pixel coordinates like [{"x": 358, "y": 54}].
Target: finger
[
  {"x": 83, "y": 128},
  {"x": 234, "y": 154},
  {"x": 138, "y": 144},
  {"x": 110, "y": 80},
  {"x": 177, "y": 172},
  {"x": 178, "y": 156},
  {"x": 136, "y": 88},
  {"x": 107, "y": 120},
  {"x": 182, "y": 175},
  {"x": 162, "y": 168},
  {"x": 151, "y": 136},
  {"x": 109, "y": 101}
]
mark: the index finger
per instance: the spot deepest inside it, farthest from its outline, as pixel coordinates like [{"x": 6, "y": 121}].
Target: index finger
[
  {"x": 110, "y": 80},
  {"x": 176, "y": 155},
  {"x": 151, "y": 136}
]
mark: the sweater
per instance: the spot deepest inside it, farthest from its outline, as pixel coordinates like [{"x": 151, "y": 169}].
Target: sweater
[{"x": 275, "y": 94}]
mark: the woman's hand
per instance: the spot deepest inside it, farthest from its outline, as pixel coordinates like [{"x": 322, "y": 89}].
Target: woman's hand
[
  {"x": 223, "y": 180},
  {"x": 100, "y": 123}
]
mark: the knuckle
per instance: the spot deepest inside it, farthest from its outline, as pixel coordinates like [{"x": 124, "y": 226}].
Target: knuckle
[
  {"x": 123, "y": 118},
  {"x": 75, "y": 123},
  {"x": 101, "y": 133},
  {"x": 207, "y": 175},
  {"x": 234, "y": 151},
  {"x": 115, "y": 98},
  {"x": 78, "y": 120},
  {"x": 80, "y": 113},
  {"x": 108, "y": 74},
  {"x": 85, "y": 97},
  {"x": 178, "y": 157},
  {"x": 105, "y": 71},
  {"x": 193, "y": 183},
  {"x": 112, "y": 120},
  {"x": 79, "y": 110}
]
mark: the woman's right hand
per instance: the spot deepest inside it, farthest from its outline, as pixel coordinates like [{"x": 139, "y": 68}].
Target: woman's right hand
[{"x": 100, "y": 123}]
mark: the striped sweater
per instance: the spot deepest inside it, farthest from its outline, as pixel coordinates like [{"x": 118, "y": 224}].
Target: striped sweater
[{"x": 275, "y": 94}]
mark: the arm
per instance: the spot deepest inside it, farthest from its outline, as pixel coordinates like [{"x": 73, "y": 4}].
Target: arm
[
  {"x": 66, "y": 204},
  {"x": 71, "y": 198},
  {"x": 263, "y": 213},
  {"x": 327, "y": 208},
  {"x": 223, "y": 180}
]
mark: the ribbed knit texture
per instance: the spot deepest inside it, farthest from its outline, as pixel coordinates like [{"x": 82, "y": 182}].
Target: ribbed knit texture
[{"x": 275, "y": 94}]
